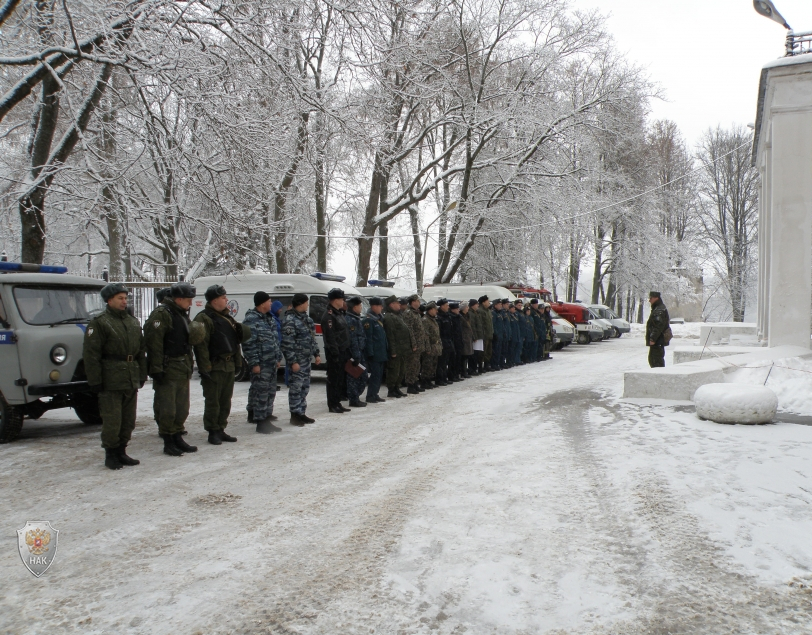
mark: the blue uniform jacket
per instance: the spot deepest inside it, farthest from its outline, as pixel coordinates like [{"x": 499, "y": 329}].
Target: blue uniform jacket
[
  {"x": 375, "y": 347},
  {"x": 262, "y": 348}
]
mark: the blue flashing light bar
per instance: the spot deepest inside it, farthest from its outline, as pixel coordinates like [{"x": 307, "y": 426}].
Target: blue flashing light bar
[
  {"x": 328, "y": 277},
  {"x": 380, "y": 283},
  {"x": 26, "y": 267}
]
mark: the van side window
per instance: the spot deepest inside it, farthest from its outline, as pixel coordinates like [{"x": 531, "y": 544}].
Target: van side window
[{"x": 318, "y": 307}]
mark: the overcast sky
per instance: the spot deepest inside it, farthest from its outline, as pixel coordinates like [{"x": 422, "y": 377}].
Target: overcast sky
[{"x": 706, "y": 55}]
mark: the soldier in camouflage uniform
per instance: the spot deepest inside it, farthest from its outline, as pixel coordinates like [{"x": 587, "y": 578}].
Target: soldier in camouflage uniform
[
  {"x": 299, "y": 346},
  {"x": 434, "y": 346},
  {"x": 400, "y": 343},
  {"x": 218, "y": 358},
  {"x": 169, "y": 339},
  {"x": 263, "y": 356},
  {"x": 411, "y": 317},
  {"x": 116, "y": 367},
  {"x": 358, "y": 344}
]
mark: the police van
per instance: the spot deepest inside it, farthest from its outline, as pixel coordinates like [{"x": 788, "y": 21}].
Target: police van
[
  {"x": 241, "y": 287},
  {"x": 383, "y": 289},
  {"x": 43, "y": 316}
]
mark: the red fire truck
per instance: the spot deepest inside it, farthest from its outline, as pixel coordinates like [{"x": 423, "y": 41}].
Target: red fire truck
[{"x": 580, "y": 316}]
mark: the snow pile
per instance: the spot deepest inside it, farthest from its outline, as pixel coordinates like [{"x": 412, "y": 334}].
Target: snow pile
[
  {"x": 736, "y": 403},
  {"x": 790, "y": 379}
]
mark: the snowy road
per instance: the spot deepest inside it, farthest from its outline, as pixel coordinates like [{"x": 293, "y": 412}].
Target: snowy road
[{"x": 526, "y": 501}]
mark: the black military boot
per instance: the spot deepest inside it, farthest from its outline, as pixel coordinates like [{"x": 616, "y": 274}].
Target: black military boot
[
  {"x": 170, "y": 447},
  {"x": 394, "y": 393},
  {"x": 112, "y": 459},
  {"x": 412, "y": 390},
  {"x": 265, "y": 426},
  {"x": 224, "y": 436},
  {"x": 296, "y": 420},
  {"x": 338, "y": 410},
  {"x": 251, "y": 416},
  {"x": 181, "y": 444},
  {"x": 307, "y": 419},
  {"x": 214, "y": 437},
  {"x": 126, "y": 460},
  {"x": 357, "y": 403},
  {"x": 376, "y": 399},
  {"x": 275, "y": 418}
]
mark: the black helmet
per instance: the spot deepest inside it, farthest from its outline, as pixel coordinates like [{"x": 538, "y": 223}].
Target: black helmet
[{"x": 182, "y": 290}]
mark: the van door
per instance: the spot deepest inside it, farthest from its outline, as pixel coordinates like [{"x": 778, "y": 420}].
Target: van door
[
  {"x": 9, "y": 360},
  {"x": 318, "y": 307}
]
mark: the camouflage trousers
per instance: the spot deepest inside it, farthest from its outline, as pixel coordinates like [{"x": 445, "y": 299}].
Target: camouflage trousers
[
  {"x": 411, "y": 368},
  {"x": 356, "y": 387},
  {"x": 395, "y": 371},
  {"x": 171, "y": 404},
  {"x": 428, "y": 366},
  {"x": 117, "y": 410},
  {"x": 298, "y": 387},
  {"x": 262, "y": 392},
  {"x": 488, "y": 351},
  {"x": 217, "y": 393}
]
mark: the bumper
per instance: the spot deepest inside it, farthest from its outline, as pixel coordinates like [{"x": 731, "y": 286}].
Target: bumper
[
  {"x": 51, "y": 390},
  {"x": 563, "y": 337}
]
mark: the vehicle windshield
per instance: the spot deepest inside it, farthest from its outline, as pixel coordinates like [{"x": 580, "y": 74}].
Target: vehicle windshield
[
  {"x": 611, "y": 314},
  {"x": 58, "y": 305},
  {"x": 554, "y": 315}
]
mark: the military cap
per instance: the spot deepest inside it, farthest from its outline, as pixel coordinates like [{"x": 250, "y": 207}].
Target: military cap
[
  {"x": 442, "y": 301},
  {"x": 472, "y": 302},
  {"x": 534, "y": 301},
  {"x": 335, "y": 294},
  {"x": 454, "y": 305},
  {"x": 412, "y": 298},
  {"x": 484, "y": 298},
  {"x": 518, "y": 301},
  {"x": 298, "y": 299},
  {"x": 431, "y": 305},
  {"x": 354, "y": 301},
  {"x": 113, "y": 289},
  {"x": 505, "y": 301},
  {"x": 215, "y": 291},
  {"x": 375, "y": 301},
  {"x": 654, "y": 294},
  {"x": 260, "y": 297},
  {"x": 182, "y": 290},
  {"x": 497, "y": 301},
  {"x": 403, "y": 300},
  {"x": 391, "y": 300},
  {"x": 161, "y": 294}
]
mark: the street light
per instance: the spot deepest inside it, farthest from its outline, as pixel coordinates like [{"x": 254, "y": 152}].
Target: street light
[{"x": 768, "y": 10}]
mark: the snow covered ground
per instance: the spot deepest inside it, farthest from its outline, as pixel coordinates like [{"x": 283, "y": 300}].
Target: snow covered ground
[{"x": 528, "y": 501}]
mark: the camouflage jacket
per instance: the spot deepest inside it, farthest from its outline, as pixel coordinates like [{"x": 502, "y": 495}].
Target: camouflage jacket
[
  {"x": 432, "y": 333},
  {"x": 158, "y": 331},
  {"x": 227, "y": 362},
  {"x": 398, "y": 334},
  {"x": 298, "y": 338},
  {"x": 412, "y": 319},
  {"x": 477, "y": 327},
  {"x": 262, "y": 348},
  {"x": 114, "y": 351}
]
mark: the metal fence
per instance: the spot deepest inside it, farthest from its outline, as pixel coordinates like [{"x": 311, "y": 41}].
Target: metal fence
[{"x": 799, "y": 43}]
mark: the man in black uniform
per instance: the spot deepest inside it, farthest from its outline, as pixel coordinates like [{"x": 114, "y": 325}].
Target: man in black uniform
[
  {"x": 656, "y": 327},
  {"x": 337, "y": 347},
  {"x": 445, "y": 364}
]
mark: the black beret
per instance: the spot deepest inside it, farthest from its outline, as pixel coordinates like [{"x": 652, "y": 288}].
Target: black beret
[
  {"x": 335, "y": 294},
  {"x": 260, "y": 297},
  {"x": 375, "y": 301},
  {"x": 298, "y": 299}
]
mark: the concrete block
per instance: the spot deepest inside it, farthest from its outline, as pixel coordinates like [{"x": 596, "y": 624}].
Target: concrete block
[{"x": 713, "y": 333}]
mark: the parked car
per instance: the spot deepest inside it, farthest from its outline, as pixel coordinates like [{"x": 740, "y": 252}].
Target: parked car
[
  {"x": 621, "y": 326},
  {"x": 43, "y": 316},
  {"x": 564, "y": 331},
  {"x": 579, "y": 315},
  {"x": 241, "y": 286},
  {"x": 606, "y": 325}
]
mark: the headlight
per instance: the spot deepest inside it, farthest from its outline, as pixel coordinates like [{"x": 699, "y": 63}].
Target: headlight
[{"x": 59, "y": 354}]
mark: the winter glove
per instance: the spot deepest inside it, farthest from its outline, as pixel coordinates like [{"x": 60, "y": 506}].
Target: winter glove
[
  {"x": 158, "y": 377},
  {"x": 97, "y": 388}
]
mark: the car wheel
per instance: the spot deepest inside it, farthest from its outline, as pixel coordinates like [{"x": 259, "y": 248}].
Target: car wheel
[
  {"x": 11, "y": 421},
  {"x": 86, "y": 407},
  {"x": 584, "y": 338},
  {"x": 617, "y": 334}
]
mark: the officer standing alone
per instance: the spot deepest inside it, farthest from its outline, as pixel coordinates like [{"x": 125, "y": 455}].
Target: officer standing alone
[
  {"x": 116, "y": 367},
  {"x": 169, "y": 337},
  {"x": 656, "y": 326}
]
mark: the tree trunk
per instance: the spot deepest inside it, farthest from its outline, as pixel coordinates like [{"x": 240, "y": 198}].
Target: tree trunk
[
  {"x": 281, "y": 195},
  {"x": 321, "y": 200},
  {"x": 368, "y": 229},
  {"x": 418, "y": 248}
]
